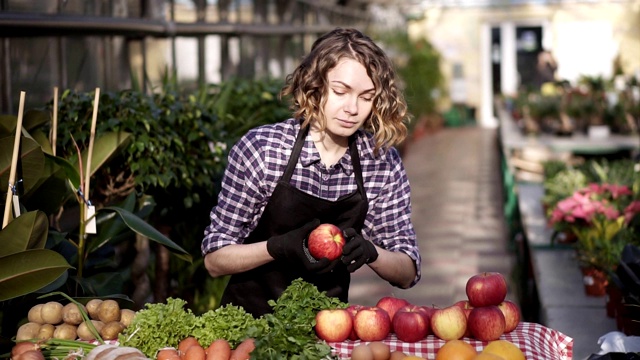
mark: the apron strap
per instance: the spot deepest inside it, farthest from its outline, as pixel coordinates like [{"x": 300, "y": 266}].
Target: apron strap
[
  {"x": 357, "y": 168},
  {"x": 295, "y": 154}
]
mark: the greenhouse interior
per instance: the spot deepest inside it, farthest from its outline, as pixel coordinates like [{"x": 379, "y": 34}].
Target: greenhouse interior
[{"x": 461, "y": 179}]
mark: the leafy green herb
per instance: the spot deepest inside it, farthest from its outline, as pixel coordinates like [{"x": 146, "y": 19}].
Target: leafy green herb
[
  {"x": 227, "y": 322},
  {"x": 158, "y": 326},
  {"x": 291, "y": 334}
]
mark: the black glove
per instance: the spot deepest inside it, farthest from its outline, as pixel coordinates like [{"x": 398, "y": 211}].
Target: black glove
[
  {"x": 292, "y": 247},
  {"x": 357, "y": 251}
]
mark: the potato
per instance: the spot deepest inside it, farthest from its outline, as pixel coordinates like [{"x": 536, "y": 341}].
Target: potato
[
  {"x": 108, "y": 311},
  {"x": 51, "y": 313},
  {"x": 71, "y": 314},
  {"x": 84, "y": 333},
  {"x": 126, "y": 316},
  {"x": 28, "y": 331},
  {"x": 46, "y": 331},
  {"x": 35, "y": 314},
  {"x": 65, "y": 332},
  {"x": 92, "y": 308},
  {"x": 111, "y": 330}
]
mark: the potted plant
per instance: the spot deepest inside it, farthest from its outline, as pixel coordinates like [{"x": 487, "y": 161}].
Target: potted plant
[{"x": 598, "y": 215}]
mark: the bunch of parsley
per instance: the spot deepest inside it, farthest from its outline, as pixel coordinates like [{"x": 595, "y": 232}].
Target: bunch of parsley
[{"x": 290, "y": 334}]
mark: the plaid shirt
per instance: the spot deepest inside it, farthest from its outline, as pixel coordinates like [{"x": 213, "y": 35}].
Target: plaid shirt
[{"x": 258, "y": 161}]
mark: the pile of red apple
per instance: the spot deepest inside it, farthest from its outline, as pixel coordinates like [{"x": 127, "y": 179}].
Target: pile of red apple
[{"x": 485, "y": 316}]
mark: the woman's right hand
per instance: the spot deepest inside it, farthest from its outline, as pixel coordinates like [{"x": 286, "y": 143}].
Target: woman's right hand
[{"x": 291, "y": 247}]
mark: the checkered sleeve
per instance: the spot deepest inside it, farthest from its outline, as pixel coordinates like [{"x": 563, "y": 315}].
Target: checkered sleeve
[
  {"x": 390, "y": 215},
  {"x": 240, "y": 197}
]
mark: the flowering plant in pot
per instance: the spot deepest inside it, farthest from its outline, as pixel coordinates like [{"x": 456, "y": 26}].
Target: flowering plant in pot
[{"x": 598, "y": 215}]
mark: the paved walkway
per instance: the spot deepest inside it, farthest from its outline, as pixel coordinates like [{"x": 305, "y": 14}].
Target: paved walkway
[{"x": 457, "y": 213}]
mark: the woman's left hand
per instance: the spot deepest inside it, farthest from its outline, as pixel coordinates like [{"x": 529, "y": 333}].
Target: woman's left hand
[{"x": 357, "y": 251}]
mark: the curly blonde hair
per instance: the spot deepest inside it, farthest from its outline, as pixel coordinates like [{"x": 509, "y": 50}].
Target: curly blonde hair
[{"x": 307, "y": 85}]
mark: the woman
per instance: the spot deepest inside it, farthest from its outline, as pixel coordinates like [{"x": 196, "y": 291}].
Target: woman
[{"x": 333, "y": 162}]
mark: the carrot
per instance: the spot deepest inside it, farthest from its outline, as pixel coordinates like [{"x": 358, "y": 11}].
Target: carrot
[
  {"x": 243, "y": 350},
  {"x": 167, "y": 353},
  {"x": 195, "y": 352},
  {"x": 219, "y": 349},
  {"x": 185, "y": 344}
]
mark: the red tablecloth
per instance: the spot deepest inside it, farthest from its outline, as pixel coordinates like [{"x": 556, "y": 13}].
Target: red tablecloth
[{"x": 536, "y": 341}]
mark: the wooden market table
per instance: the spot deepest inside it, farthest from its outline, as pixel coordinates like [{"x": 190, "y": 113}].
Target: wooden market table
[
  {"x": 536, "y": 341},
  {"x": 563, "y": 304}
]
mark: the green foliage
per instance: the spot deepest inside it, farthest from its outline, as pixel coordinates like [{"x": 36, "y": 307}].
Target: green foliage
[
  {"x": 172, "y": 145},
  {"x": 159, "y": 326},
  {"x": 542, "y": 107},
  {"x": 48, "y": 184},
  {"x": 562, "y": 185},
  {"x": 418, "y": 65},
  {"x": 291, "y": 334},
  {"x": 228, "y": 322},
  {"x": 562, "y": 180}
]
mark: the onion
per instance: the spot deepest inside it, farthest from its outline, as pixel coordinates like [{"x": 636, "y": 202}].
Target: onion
[
  {"x": 112, "y": 352},
  {"x": 29, "y": 355},
  {"x": 23, "y": 346}
]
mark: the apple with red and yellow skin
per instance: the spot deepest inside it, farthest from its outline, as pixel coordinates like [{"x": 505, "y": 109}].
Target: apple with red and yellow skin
[
  {"x": 465, "y": 305},
  {"x": 487, "y": 323},
  {"x": 487, "y": 288},
  {"x": 391, "y": 304},
  {"x": 372, "y": 323},
  {"x": 353, "y": 310},
  {"x": 326, "y": 241},
  {"x": 411, "y": 323},
  {"x": 333, "y": 325},
  {"x": 511, "y": 313},
  {"x": 449, "y": 323}
]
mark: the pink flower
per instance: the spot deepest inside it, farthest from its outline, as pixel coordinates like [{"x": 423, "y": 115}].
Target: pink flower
[
  {"x": 631, "y": 211},
  {"x": 619, "y": 190},
  {"x": 596, "y": 201}
]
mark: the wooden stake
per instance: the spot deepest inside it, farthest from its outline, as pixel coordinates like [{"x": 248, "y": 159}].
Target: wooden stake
[
  {"x": 90, "y": 220},
  {"x": 87, "y": 174},
  {"x": 14, "y": 163},
  {"x": 54, "y": 126}
]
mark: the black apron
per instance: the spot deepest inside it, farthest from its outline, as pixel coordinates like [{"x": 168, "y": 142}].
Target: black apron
[{"x": 288, "y": 209}]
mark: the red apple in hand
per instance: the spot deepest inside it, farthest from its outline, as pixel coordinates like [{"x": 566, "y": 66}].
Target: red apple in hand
[
  {"x": 449, "y": 323},
  {"x": 326, "y": 241},
  {"x": 353, "y": 310},
  {"x": 511, "y": 313},
  {"x": 411, "y": 323},
  {"x": 487, "y": 288},
  {"x": 391, "y": 304},
  {"x": 372, "y": 324},
  {"x": 486, "y": 323},
  {"x": 333, "y": 325}
]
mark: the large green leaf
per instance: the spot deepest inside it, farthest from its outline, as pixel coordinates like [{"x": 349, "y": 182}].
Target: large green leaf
[
  {"x": 7, "y": 125},
  {"x": 141, "y": 227},
  {"x": 32, "y": 162},
  {"x": 28, "y": 231},
  {"x": 27, "y": 271},
  {"x": 53, "y": 190},
  {"x": 34, "y": 119},
  {"x": 105, "y": 146},
  {"x": 112, "y": 229},
  {"x": 43, "y": 140},
  {"x": 70, "y": 171}
]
